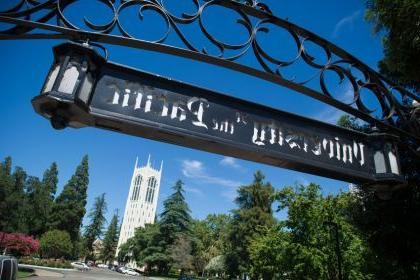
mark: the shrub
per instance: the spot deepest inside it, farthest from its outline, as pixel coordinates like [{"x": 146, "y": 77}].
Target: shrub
[
  {"x": 217, "y": 265},
  {"x": 60, "y": 263},
  {"x": 55, "y": 244},
  {"x": 18, "y": 244}
]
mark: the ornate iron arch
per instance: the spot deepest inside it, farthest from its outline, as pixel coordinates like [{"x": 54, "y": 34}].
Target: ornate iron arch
[{"x": 398, "y": 115}]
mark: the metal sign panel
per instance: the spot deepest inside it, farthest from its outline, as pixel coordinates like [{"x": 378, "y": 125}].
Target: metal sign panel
[{"x": 84, "y": 90}]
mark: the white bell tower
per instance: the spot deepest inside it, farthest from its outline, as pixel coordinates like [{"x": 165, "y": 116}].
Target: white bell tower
[{"x": 140, "y": 208}]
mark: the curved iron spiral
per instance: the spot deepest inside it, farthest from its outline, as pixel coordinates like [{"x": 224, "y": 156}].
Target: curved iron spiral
[{"x": 256, "y": 20}]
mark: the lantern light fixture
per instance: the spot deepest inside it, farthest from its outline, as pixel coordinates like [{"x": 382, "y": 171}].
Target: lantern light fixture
[{"x": 69, "y": 82}]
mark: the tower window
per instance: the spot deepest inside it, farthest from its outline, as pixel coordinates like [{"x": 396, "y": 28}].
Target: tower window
[
  {"x": 151, "y": 187},
  {"x": 136, "y": 190}
]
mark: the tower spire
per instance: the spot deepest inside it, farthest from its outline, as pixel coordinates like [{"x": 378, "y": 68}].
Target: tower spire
[
  {"x": 135, "y": 165},
  {"x": 148, "y": 161},
  {"x": 161, "y": 166}
]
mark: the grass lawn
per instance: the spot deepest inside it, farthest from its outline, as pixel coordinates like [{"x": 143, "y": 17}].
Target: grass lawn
[{"x": 23, "y": 274}]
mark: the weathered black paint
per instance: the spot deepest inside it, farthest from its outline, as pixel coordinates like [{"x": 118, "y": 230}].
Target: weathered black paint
[{"x": 302, "y": 140}]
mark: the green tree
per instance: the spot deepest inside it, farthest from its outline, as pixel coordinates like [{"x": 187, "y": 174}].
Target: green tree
[
  {"x": 125, "y": 251},
  {"x": 80, "y": 249},
  {"x": 69, "y": 207},
  {"x": 49, "y": 190},
  {"x": 13, "y": 203},
  {"x": 218, "y": 225},
  {"x": 35, "y": 211},
  {"x": 30, "y": 199},
  {"x": 149, "y": 249},
  {"x": 386, "y": 219},
  {"x": 151, "y": 246},
  {"x": 181, "y": 253},
  {"x": 390, "y": 228},
  {"x": 110, "y": 241},
  {"x": 216, "y": 265},
  {"x": 97, "y": 220},
  {"x": 200, "y": 245},
  {"x": 17, "y": 202},
  {"x": 399, "y": 21},
  {"x": 303, "y": 246},
  {"x": 41, "y": 200},
  {"x": 50, "y": 180},
  {"x": 175, "y": 219},
  {"x": 389, "y": 224},
  {"x": 254, "y": 212},
  {"x": 5, "y": 186},
  {"x": 55, "y": 244},
  {"x": 209, "y": 239},
  {"x": 350, "y": 122},
  {"x": 269, "y": 253}
]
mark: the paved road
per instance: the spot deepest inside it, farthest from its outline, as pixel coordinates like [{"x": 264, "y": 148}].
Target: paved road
[{"x": 94, "y": 274}]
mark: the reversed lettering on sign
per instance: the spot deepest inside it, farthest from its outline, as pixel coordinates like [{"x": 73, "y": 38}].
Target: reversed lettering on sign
[
  {"x": 200, "y": 113},
  {"x": 272, "y": 134}
]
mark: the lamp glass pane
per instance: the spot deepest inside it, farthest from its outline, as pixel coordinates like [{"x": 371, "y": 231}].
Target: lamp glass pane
[
  {"x": 69, "y": 80},
  {"x": 393, "y": 162},
  {"x": 51, "y": 79},
  {"x": 86, "y": 88},
  {"x": 379, "y": 162}
]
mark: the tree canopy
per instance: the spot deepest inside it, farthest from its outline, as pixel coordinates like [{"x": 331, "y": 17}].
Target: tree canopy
[
  {"x": 56, "y": 244},
  {"x": 97, "y": 220},
  {"x": 254, "y": 212},
  {"x": 306, "y": 241},
  {"x": 399, "y": 23},
  {"x": 155, "y": 244},
  {"x": 41, "y": 200},
  {"x": 110, "y": 240},
  {"x": 29, "y": 205},
  {"x": 175, "y": 217},
  {"x": 13, "y": 202},
  {"x": 388, "y": 223},
  {"x": 70, "y": 205}
]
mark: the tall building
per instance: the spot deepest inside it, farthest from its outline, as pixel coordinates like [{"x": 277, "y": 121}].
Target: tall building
[{"x": 140, "y": 208}]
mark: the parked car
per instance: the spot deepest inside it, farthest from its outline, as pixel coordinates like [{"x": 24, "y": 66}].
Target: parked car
[
  {"x": 132, "y": 272},
  {"x": 112, "y": 267},
  {"x": 120, "y": 269},
  {"x": 102, "y": 265},
  {"x": 80, "y": 266},
  {"x": 139, "y": 270}
]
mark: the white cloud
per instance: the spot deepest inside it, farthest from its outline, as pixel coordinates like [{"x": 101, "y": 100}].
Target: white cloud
[
  {"x": 347, "y": 21},
  {"x": 302, "y": 181},
  {"x": 347, "y": 94},
  {"x": 329, "y": 115},
  {"x": 230, "y": 162},
  {"x": 194, "y": 191},
  {"x": 343, "y": 93},
  {"x": 194, "y": 169},
  {"x": 230, "y": 194}
]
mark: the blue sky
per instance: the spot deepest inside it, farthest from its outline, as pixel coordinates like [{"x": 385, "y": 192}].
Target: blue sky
[{"x": 210, "y": 180}]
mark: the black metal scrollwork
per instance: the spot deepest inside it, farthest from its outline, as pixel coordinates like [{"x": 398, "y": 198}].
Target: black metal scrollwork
[{"x": 257, "y": 20}]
